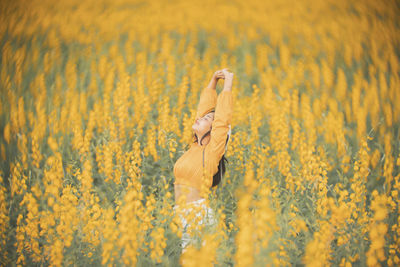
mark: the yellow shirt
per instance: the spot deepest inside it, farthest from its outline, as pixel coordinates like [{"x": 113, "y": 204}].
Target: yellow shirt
[{"x": 188, "y": 169}]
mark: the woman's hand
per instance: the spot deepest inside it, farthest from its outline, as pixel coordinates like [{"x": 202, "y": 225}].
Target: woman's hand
[
  {"x": 214, "y": 80},
  {"x": 218, "y": 75},
  {"x": 228, "y": 79}
]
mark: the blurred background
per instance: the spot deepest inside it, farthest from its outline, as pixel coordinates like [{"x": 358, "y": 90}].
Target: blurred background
[{"x": 97, "y": 102}]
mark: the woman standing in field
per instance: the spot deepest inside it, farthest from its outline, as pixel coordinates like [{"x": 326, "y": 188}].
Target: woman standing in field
[{"x": 202, "y": 165}]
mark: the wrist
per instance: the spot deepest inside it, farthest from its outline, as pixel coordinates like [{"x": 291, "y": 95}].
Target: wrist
[
  {"x": 227, "y": 84},
  {"x": 227, "y": 88},
  {"x": 212, "y": 84}
]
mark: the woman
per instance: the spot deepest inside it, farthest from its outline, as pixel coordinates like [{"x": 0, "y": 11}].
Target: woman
[{"x": 196, "y": 168}]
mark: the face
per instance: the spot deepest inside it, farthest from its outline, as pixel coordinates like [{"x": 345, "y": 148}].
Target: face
[{"x": 203, "y": 124}]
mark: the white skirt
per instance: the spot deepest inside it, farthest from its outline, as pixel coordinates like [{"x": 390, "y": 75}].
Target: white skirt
[{"x": 204, "y": 217}]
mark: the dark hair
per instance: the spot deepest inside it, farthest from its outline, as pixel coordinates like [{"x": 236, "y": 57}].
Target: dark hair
[{"x": 221, "y": 165}]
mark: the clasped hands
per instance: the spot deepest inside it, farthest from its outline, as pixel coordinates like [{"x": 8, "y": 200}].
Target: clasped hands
[{"x": 224, "y": 74}]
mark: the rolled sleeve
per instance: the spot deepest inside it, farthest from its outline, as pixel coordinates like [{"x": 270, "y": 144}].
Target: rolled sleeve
[
  {"x": 208, "y": 100},
  {"x": 220, "y": 126}
]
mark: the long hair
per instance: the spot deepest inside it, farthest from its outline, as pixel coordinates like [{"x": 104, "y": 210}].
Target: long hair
[{"x": 221, "y": 165}]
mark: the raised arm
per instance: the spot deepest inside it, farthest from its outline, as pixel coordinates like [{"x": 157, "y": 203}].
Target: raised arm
[
  {"x": 208, "y": 97},
  {"x": 220, "y": 125},
  {"x": 208, "y": 100},
  {"x": 222, "y": 120}
]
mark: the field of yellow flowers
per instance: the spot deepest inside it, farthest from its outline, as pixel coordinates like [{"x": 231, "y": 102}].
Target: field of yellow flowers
[{"x": 97, "y": 102}]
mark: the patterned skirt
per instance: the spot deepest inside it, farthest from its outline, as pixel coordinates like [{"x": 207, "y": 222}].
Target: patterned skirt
[{"x": 195, "y": 217}]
